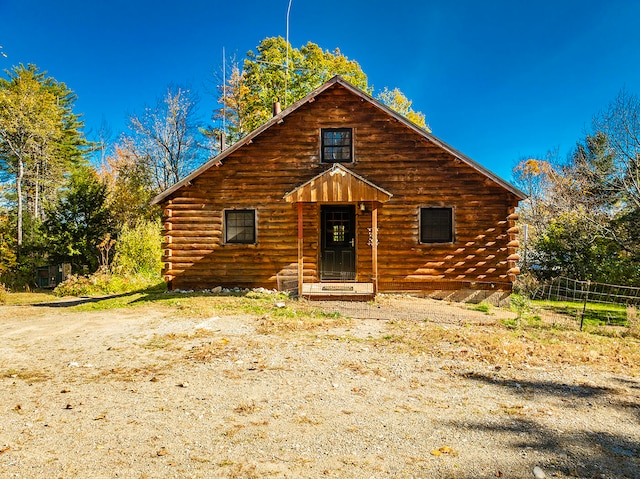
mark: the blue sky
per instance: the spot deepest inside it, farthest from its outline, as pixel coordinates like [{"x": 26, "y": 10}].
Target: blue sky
[{"x": 497, "y": 80}]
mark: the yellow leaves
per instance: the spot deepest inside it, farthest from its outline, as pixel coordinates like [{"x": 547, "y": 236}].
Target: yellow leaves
[
  {"x": 444, "y": 450},
  {"x": 162, "y": 452},
  {"x": 533, "y": 167},
  {"x": 398, "y": 102}
]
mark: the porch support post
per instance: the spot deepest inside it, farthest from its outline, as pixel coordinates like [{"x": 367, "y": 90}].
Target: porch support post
[
  {"x": 374, "y": 246},
  {"x": 300, "y": 251}
]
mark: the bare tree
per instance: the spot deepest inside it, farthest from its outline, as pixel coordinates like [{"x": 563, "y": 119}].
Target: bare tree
[
  {"x": 167, "y": 138},
  {"x": 620, "y": 122}
]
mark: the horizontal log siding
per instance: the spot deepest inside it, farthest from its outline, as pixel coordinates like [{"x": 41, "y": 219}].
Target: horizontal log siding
[{"x": 388, "y": 154}]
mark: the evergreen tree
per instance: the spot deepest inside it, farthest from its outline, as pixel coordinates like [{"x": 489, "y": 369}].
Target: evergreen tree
[
  {"x": 78, "y": 220},
  {"x": 40, "y": 138}
]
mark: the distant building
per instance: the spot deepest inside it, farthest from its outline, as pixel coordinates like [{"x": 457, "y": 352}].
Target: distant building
[{"x": 52, "y": 275}]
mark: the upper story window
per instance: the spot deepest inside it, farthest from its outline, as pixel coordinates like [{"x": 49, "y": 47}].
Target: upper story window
[
  {"x": 436, "y": 225},
  {"x": 337, "y": 145},
  {"x": 240, "y": 226}
]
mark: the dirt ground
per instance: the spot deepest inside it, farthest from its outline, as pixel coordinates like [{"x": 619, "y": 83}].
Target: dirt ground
[{"x": 145, "y": 392}]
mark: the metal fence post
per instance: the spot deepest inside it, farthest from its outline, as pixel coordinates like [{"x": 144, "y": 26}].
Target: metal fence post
[{"x": 584, "y": 306}]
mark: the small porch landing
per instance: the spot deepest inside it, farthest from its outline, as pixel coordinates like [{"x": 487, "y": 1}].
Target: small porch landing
[{"x": 338, "y": 291}]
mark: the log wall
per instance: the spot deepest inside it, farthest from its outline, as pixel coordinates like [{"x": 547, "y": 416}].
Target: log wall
[{"x": 387, "y": 153}]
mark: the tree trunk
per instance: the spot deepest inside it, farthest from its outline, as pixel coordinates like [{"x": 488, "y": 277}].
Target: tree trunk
[
  {"x": 36, "y": 194},
  {"x": 19, "y": 193}
]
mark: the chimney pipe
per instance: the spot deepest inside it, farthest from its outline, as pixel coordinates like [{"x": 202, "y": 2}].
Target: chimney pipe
[
  {"x": 276, "y": 107},
  {"x": 223, "y": 141}
]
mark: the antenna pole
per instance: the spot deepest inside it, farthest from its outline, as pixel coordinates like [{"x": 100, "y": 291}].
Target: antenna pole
[
  {"x": 286, "y": 67},
  {"x": 224, "y": 99}
]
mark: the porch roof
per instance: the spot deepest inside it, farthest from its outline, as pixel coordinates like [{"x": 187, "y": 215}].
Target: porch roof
[{"x": 337, "y": 185}]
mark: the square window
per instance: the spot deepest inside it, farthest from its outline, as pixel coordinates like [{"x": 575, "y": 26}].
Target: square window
[
  {"x": 240, "y": 226},
  {"x": 436, "y": 225},
  {"x": 337, "y": 145}
]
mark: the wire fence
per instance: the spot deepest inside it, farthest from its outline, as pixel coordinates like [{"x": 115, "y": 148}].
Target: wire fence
[
  {"x": 597, "y": 303},
  {"x": 567, "y": 289}
]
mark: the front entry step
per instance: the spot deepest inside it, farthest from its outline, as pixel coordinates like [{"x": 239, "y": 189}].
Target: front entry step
[{"x": 334, "y": 291}]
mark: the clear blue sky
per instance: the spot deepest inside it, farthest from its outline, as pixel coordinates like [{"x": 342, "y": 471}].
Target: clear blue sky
[{"x": 497, "y": 80}]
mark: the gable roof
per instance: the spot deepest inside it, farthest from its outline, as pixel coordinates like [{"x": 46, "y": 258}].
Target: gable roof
[
  {"x": 336, "y": 80},
  {"x": 337, "y": 184}
]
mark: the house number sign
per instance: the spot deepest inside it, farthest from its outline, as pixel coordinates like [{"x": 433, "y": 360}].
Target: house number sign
[{"x": 370, "y": 242}]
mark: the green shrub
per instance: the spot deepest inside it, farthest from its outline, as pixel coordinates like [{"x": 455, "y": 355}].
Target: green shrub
[
  {"x": 521, "y": 305},
  {"x": 104, "y": 282},
  {"x": 139, "y": 250}
]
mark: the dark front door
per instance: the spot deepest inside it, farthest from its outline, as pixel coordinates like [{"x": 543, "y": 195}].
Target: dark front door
[{"x": 338, "y": 252}]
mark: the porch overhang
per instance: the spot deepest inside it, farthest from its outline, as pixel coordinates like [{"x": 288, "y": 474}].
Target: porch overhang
[{"x": 337, "y": 185}]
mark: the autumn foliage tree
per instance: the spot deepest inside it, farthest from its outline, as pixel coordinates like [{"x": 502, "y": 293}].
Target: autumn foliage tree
[
  {"x": 130, "y": 188},
  {"x": 277, "y": 71}
]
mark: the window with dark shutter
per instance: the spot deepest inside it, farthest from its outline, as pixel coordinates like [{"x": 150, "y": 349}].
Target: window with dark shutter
[{"x": 436, "y": 225}]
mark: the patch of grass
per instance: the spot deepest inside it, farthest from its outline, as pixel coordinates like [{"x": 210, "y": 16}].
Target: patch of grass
[
  {"x": 295, "y": 319},
  {"x": 509, "y": 322},
  {"x": 633, "y": 322},
  {"x": 533, "y": 321},
  {"x": 28, "y": 375},
  {"x": 28, "y": 297},
  {"x": 595, "y": 314},
  {"x": 273, "y": 317},
  {"x": 517, "y": 345},
  {"x": 483, "y": 307},
  {"x": 246, "y": 408},
  {"x": 159, "y": 342},
  {"x": 117, "y": 302},
  {"x": 212, "y": 350}
]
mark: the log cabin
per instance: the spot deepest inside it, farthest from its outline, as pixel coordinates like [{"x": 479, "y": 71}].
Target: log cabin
[{"x": 339, "y": 195}]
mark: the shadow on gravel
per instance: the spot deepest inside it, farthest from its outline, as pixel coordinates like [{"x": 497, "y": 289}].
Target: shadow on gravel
[
  {"x": 548, "y": 388},
  {"x": 585, "y": 453},
  {"x": 67, "y": 303},
  {"x": 630, "y": 383},
  {"x": 627, "y": 403}
]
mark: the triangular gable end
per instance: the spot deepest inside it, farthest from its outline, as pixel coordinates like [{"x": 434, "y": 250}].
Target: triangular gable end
[
  {"x": 217, "y": 161},
  {"x": 337, "y": 185}
]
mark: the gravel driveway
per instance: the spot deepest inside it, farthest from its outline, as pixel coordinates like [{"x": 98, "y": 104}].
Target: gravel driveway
[{"x": 147, "y": 393}]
